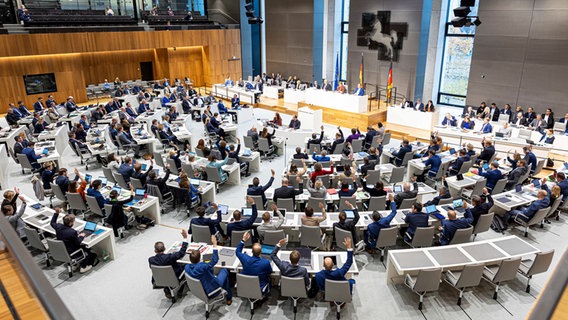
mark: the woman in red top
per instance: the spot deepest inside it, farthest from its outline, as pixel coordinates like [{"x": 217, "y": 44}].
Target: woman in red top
[{"x": 319, "y": 171}]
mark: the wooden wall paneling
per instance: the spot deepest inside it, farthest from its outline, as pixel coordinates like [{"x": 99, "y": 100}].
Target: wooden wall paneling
[
  {"x": 186, "y": 61},
  {"x": 161, "y": 63},
  {"x": 206, "y": 66},
  {"x": 125, "y": 65}
]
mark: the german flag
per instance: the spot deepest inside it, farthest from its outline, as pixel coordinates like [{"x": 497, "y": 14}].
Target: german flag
[
  {"x": 389, "y": 85},
  {"x": 361, "y": 70}
]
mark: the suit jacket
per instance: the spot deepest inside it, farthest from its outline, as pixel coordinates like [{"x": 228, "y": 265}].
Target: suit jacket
[
  {"x": 359, "y": 91},
  {"x": 449, "y": 227},
  {"x": 515, "y": 175},
  {"x": 550, "y": 122},
  {"x": 294, "y": 124},
  {"x": 373, "y": 229},
  {"x": 170, "y": 259},
  {"x": 12, "y": 119},
  {"x": 349, "y": 224},
  {"x": 481, "y": 209},
  {"x": 434, "y": 162},
  {"x": 520, "y": 122},
  {"x": 142, "y": 175},
  {"x": 18, "y": 147},
  {"x": 287, "y": 193},
  {"x": 531, "y": 160},
  {"x": 328, "y": 87},
  {"x": 492, "y": 176},
  {"x": 204, "y": 272},
  {"x": 419, "y": 106},
  {"x": 452, "y": 122},
  {"x": 260, "y": 189},
  {"x": 202, "y": 221},
  {"x": 406, "y": 195},
  {"x": 336, "y": 142},
  {"x": 254, "y": 266},
  {"x": 530, "y": 116},
  {"x": 243, "y": 225},
  {"x": 487, "y": 153},
  {"x": 68, "y": 235},
  {"x": 38, "y": 106},
  {"x": 337, "y": 274},
  {"x": 496, "y": 114},
  {"x": 289, "y": 270},
  {"x": 401, "y": 153},
  {"x": 126, "y": 171},
  {"x": 486, "y": 128},
  {"x": 530, "y": 211}
]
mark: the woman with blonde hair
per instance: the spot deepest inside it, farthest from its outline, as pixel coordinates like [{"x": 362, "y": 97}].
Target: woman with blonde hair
[{"x": 318, "y": 191}]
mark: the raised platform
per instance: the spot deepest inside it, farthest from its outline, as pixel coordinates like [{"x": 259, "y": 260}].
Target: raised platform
[{"x": 332, "y": 116}]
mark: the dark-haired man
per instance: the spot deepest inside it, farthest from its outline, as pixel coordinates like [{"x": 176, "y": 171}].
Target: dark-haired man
[
  {"x": 169, "y": 259},
  {"x": 290, "y": 269}
]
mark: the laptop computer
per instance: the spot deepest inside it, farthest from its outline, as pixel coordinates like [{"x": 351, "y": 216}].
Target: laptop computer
[
  {"x": 157, "y": 172},
  {"x": 282, "y": 212},
  {"x": 305, "y": 257},
  {"x": 231, "y": 161},
  {"x": 397, "y": 189},
  {"x": 139, "y": 194},
  {"x": 90, "y": 228},
  {"x": 118, "y": 189},
  {"x": 458, "y": 205},
  {"x": 431, "y": 209},
  {"x": 88, "y": 178},
  {"x": 247, "y": 212},
  {"x": 499, "y": 134},
  {"x": 452, "y": 150},
  {"x": 529, "y": 141},
  {"x": 266, "y": 249},
  {"x": 247, "y": 152},
  {"x": 459, "y": 177},
  {"x": 349, "y": 214},
  {"x": 194, "y": 182},
  {"x": 103, "y": 181}
]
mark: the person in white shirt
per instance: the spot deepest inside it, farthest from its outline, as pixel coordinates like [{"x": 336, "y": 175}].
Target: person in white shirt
[
  {"x": 505, "y": 130},
  {"x": 109, "y": 12}
]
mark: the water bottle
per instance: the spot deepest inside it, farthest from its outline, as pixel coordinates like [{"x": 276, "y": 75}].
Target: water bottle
[{"x": 105, "y": 255}]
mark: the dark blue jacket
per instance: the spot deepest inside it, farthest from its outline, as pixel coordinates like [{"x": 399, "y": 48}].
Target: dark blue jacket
[
  {"x": 449, "y": 227},
  {"x": 458, "y": 164},
  {"x": 337, "y": 274},
  {"x": 563, "y": 189},
  {"x": 400, "y": 154},
  {"x": 415, "y": 220},
  {"x": 260, "y": 189},
  {"x": 530, "y": 211},
  {"x": 486, "y": 128},
  {"x": 97, "y": 194},
  {"x": 32, "y": 157},
  {"x": 47, "y": 178},
  {"x": 486, "y": 154},
  {"x": 434, "y": 162},
  {"x": 492, "y": 176},
  {"x": 254, "y": 266},
  {"x": 66, "y": 234},
  {"x": 204, "y": 272},
  {"x": 202, "y": 221},
  {"x": 373, "y": 229},
  {"x": 126, "y": 171},
  {"x": 530, "y": 158},
  {"x": 452, "y": 122},
  {"x": 170, "y": 259},
  {"x": 437, "y": 199},
  {"x": 289, "y": 270},
  {"x": 243, "y": 225}
]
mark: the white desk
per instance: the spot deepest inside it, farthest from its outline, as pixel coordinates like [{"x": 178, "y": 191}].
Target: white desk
[
  {"x": 410, "y": 120},
  {"x": 336, "y": 100},
  {"x": 310, "y": 119},
  {"x": 59, "y": 135},
  {"x": 220, "y": 90},
  {"x": 294, "y": 96},
  {"x": 272, "y": 92},
  {"x": 8, "y": 134}
]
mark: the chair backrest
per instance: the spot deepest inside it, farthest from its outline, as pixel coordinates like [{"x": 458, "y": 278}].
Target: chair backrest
[
  {"x": 462, "y": 235},
  {"x": 478, "y": 187},
  {"x": 423, "y": 237},
  {"x": 34, "y": 239},
  {"x": 484, "y": 223},
  {"x": 293, "y": 287},
  {"x": 406, "y": 158},
  {"x": 407, "y": 203},
  {"x": 314, "y": 203},
  {"x": 271, "y": 237},
  {"x": 539, "y": 216},
  {"x": 499, "y": 186},
  {"x": 428, "y": 280},
  {"x": 212, "y": 174},
  {"x": 341, "y": 234},
  {"x": 200, "y": 234},
  {"x": 387, "y": 237},
  {"x": 258, "y": 201},
  {"x": 237, "y": 236},
  {"x": 465, "y": 167},
  {"x": 199, "y": 152},
  {"x": 56, "y": 189},
  {"x": 119, "y": 178},
  {"x": 263, "y": 145},
  {"x": 298, "y": 163},
  {"x": 540, "y": 264},
  {"x": 386, "y": 138},
  {"x": 24, "y": 161},
  {"x": 311, "y": 147},
  {"x": 164, "y": 276},
  {"x": 58, "y": 251},
  {"x": 507, "y": 270},
  {"x": 397, "y": 175},
  {"x": 76, "y": 201},
  {"x": 154, "y": 190},
  {"x": 339, "y": 148},
  {"x": 373, "y": 176},
  {"x": 93, "y": 205},
  {"x": 524, "y": 134},
  {"x": 326, "y": 180},
  {"x": 343, "y": 206},
  {"x": 445, "y": 201},
  {"x": 504, "y": 117},
  {"x": 188, "y": 168},
  {"x": 357, "y": 145},
  {"x": 286, "y": 203},
  {"x": 554, "y": 206},
  {"x": 539, "y": 166},
  {"x": 136, "y": 183},
  {"x": 337, "y": 291},
  {"x": 159, "y": 160},
  {"x": 249, "y": 143},
  {"x": 107, "y": 172},
  {"x": 248, "y": 287},
  {"x": 524, "y": 177},
  {"x": 196, "y": 288},
  {"x": 310, "y": 236},
  {"x": 470, "y": 276},
  {"x": 173, "y": 166},
  {"x": 325, "y": 164},
  {"x": 377, "y": 203}
]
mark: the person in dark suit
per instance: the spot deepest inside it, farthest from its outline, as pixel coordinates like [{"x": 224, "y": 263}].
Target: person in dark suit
[
  {"x": 530, "y": 158},
  {"x": 507, "y": 110},
  {"x": 186, "y": 105},
  {"x": 143, "y": 107},
  {"x": 130, "y": 111},
  {"x": 326, "y": 86},
  {"x": 339, "y": 138},
  {"x": 399, "y": 155},
  {"x": 359, "y": 91},
  {"x": 348, "y": 224},
  {"x": 238, "y": 224},
  {"x": 516, "y": 174},
  {"x": 432, "y": 165},
  {"x": 290, "y": 269},
  {"x": 32, "y": 156},
  {"x": 50, "y": 101},
  {"x": 406, "y": 192},
  {"x": 213, "y": 225},
  {"x": 19, "y": 145},
  {"x": 406, "y": 104},
  {"x": 456, "y": 166},
  {"x": 288, "y": 192},
  {"x": 468, "y": 112},
  {"x": 126, "y": 140},
  {"x": 12, "y": 118},
  {"x": 367, "y": 165},
  {"x": 70, "y": 105},
  {"x": 492, "y": 175},
  {"x": 429, "y": 107},
  {"x": 520, "y": 120},
  {"x": 443, "y": 193},
  {"x": 487, "y": 152},
  {"x": 336, "y": 274},
  {"x": 126, "y": 169},
  {"x": 23, "y": 110},
  {"x": 371, "y": 133},
  {"x": 141, "y": 175},
  {"x": 169, "y": 259},
  {"x": 294, "y": 123},
  {"x": 415, "y": 219},
  {"x": 63, "y": 180},
  {"x": 204, "y": 272},
  {"x": 299, "y": 154},
  {"x": 548, "y": 118},
  {"x": 314, "y": 139},
  {"x": 255, "y": 265},
  {"x": 72, "y": 240},
  {"x": 450, "y": 121},
  {"x": 530, "y": 115},
  {"x": 256, "y": 189},
  {"x": 526, "y": 213},
  {"x": 371, "y": 235},
  {"x": 494, "y": 112},
  {"x": 419, "y": 105},
  {"x": 39, "y": 106},
  {"x": 481, "y": 206},
  {"x": 452, "y": 224}
]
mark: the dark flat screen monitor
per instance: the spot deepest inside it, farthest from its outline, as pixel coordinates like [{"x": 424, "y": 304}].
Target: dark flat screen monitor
[{"x": 40, "y": 83}]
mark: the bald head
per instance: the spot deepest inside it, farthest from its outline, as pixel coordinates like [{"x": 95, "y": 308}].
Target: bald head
[
  {"x": 256, "y": 249},
  {"x": 328, "y": 264},
  {"x": 451, "y": 215},
  {"x": 541, "y": 194},
  {"x": 406, "y": 186},
  {"x": 284, "y": 181}
]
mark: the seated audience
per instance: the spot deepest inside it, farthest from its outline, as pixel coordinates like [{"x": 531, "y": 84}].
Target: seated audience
[
  {"x": 374, "y": 228},
  {"x": 169, "y": 259},
  {"x": 255, "y": 265},
  {"x": 452, "y": 224}
]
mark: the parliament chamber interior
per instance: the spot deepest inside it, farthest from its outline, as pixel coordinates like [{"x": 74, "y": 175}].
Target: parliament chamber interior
[{"x": 297, "y": 159}]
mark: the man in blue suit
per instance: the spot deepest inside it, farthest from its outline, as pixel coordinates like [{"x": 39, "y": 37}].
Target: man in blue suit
[
  {"x": 486, "y": 127},
  {"x": 39, "y": 106},
  {"x": 84, "y": 123},
  {"x": 452, "y": 224},
  {"x": 493, "y": 175},
  {"x": 379, "y": 222},
  {"x": 450, "y": 121},
  {"x": 416, "y": 219},
  {"x": 241, "y": 225},
  {"x": 487, "y": 152},
  {"x": 256, "y": 189},
  {"x": 16, "y": 111},
  {"x": 255, "y": 265},
  {"x": 290, "y": 269},
  {"x": 463, "y": 157},
  {"x": 229, "y": 82},
  {"x": 339, "y": 273},
  {"x": 169, "y": 259},
  {"x": 432, "y": 165},
  {"x": 204, "y": 272},
  {"x": 23, "y": 109},
  {"x": 213, "y": 225},
  {"x": 31, "y": 155},
  {"x": 404, "y": 149},
  {"x": 359, "y": 91},
  {"x": 530, "y": 158},
  {"x": 143, "y": 107},
  {"x": 527, "y": 213},
  {"x": 126, "y": 169},
  {"x": 235, "y": 102}
]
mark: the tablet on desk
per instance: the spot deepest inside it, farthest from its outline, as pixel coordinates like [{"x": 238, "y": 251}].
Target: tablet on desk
[
  {"x": 349, "y": 214},
  {"x": 247, "y": 212},
  {"x": 224, "y": 209}
]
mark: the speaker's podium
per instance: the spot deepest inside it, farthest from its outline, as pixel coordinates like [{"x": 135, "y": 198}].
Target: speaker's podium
[{"x": 310, "y": 119}]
